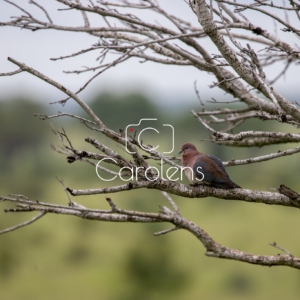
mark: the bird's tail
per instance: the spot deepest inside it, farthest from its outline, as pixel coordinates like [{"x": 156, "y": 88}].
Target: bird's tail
[
  {"x": 236, "y": 186},
  {"x": 226, "y": 185}
]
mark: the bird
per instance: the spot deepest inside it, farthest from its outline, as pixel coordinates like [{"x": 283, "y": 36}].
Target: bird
[{"x": 204, "y": 169}]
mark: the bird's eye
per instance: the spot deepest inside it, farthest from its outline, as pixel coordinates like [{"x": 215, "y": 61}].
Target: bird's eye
[{"x": 186, "y": 147}]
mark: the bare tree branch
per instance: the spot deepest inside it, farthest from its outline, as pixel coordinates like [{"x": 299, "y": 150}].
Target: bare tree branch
[
  {"x": 193, "y": 192},
  {"x": 11, "y": 73},
  {"x": 23, "y": 224},
  {"x": 213, "y": 249},
  {"x": 60, "y": 87},
  {"x": 176, "y": 43}
]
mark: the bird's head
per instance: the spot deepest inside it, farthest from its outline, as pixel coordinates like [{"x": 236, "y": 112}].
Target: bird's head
[{"x": 188, "y": 148}]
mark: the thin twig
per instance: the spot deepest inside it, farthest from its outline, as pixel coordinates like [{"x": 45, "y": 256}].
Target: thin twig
[
  {"x": 24, "y": 224},
  {"x": 62, "y": 182},
  {"x": 198, "y": 96},
  {"x": 175, "y": 207},
  {"x": 282, "y": 249},
  {"x": 11, "y": 73},
  {"x": 166, "y": 231}
]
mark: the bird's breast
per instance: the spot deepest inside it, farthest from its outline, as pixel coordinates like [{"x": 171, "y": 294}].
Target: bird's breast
[{"x": 189, "y": 174}]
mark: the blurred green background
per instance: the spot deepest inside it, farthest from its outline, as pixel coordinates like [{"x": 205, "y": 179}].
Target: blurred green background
[{"x": 62, "y": 257}]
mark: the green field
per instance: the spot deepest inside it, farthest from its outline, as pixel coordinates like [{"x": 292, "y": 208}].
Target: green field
[{"x": 61, "y": 257}]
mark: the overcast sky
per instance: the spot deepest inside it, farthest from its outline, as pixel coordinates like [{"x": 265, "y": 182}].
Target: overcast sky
[{"x": 161, "y": 82}]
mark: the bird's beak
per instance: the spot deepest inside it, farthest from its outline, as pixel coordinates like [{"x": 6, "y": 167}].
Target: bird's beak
[{"x": 180, "y": 152}]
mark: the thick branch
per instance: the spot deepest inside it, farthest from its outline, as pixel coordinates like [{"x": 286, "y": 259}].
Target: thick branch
[
  {"x": 257, "y": 142},
  {"x": 235, "y": 162},
  {"x": 213, "y": 249},
  {"x": 193, "y": 192},
  {"x": 249, "y": 76}
]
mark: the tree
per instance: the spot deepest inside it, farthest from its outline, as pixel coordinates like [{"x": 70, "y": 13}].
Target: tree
[{"x": 239, "y": 71}]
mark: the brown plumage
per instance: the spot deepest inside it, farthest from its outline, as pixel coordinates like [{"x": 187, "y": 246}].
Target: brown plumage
[{"x": 205, "y": 169}]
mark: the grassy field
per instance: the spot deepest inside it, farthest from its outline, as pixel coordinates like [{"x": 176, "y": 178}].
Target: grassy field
[{"x": 61, "y": 257}]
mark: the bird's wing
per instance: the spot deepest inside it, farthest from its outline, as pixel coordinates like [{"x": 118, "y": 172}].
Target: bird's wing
[
  {"x": 219, "y": 163},
  {"x": 212, "y": 172}
]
